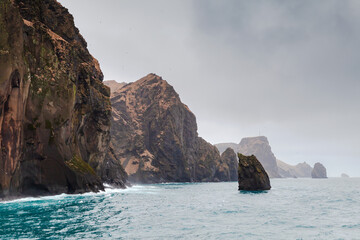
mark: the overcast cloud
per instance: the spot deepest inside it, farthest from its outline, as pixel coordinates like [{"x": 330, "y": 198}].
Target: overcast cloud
[{"x": 287, "y": 69}]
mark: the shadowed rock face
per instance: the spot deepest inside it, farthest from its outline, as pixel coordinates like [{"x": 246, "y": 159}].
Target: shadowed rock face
[
  {"x": 155, "y": 135},
  {"x": 251, "y": 174},
  {"x": 54, "y": 110},
  {"x": 228, "y": 166},
  {"x": 319, "y": 171}
]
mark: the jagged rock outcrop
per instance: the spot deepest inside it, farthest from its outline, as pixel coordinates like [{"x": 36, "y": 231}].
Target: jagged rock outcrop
[
  {"x": 54, "y": 109},
  {"x": 251, "y": 174},
  {"x": 155, "y": 135},
  {"x": 258, "y": 146},
  {"x": 344, "y": 175},
  {"x": 114, "y": 86},
  {"x": 227, "y": 168},
  {"x": 300, "y": 170},
  {"x": 319, "y": 171}
]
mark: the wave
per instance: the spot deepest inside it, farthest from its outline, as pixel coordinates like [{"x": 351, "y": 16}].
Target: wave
[{"x": 108, "y": 189}]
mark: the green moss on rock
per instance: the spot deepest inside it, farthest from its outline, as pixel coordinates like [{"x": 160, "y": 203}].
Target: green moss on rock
[{"x": 77, "y": 164}]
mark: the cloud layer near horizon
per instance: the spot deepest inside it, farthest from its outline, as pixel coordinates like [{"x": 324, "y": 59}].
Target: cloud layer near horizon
[{"x": 288, "y": 69}]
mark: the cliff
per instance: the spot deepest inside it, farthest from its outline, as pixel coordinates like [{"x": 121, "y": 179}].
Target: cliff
[
  {"x": 155, "y": 135},
  {"x": 319, "y": 171},
  {"x": 226, "y": 169},
  {"x": 300, "y": 170},
  {"x": 54, "y": 110},
  {"x": 251, "y": 174}
]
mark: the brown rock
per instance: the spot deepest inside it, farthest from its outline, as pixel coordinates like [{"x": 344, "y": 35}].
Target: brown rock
[
  {"x": 155, "y": 135},
  {"x": 54, "y": 109},
  {"x": 252, "y": 175},
  {"x": 227, "y": 169}
]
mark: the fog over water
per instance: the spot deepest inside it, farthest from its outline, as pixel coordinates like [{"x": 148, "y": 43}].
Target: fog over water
[{"x": 288, "y": 70}]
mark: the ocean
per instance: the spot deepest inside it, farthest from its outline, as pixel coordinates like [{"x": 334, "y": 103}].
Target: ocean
[{"x": 292, "y": 209}]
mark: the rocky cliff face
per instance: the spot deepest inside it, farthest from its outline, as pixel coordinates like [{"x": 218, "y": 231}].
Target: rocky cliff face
[
  {"x": 301, "y": 170},
  {"x": 228, "y": 166},
  {"x": 155, "y": 135},
  {"x": 319, "y": 171},
  {"x": 54, "y": 109},
  {"x": 251, "y": 174}
]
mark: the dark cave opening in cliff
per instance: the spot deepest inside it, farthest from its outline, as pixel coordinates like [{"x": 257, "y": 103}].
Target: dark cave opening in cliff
[{"x": 15, "y": 79}]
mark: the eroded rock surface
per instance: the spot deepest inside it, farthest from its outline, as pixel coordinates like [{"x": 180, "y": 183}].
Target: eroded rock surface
[
  {"x": 251, "y": 174},
  {"x": 54, "y": 109},
  {"x": 155, "y": 135},
  {"x": 227, "y": 169}
]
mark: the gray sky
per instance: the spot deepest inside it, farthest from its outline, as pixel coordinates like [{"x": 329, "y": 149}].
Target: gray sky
[{"x": 289, "y": 69}]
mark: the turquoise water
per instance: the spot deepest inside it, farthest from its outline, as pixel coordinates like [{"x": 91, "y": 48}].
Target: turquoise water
[{"x": 293, "y": 209}]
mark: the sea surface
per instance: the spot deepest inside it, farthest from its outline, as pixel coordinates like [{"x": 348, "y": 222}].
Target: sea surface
[{"x": 292, "y": 209}]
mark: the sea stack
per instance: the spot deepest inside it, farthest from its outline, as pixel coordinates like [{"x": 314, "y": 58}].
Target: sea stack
[
  {"x": 251, "y": 174},
  {"x": 319, "y": 171},
  {"x": 344, "y": 175}
]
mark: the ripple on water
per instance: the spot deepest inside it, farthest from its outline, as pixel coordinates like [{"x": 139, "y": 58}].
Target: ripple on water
[{"x": 293, "y": 209}]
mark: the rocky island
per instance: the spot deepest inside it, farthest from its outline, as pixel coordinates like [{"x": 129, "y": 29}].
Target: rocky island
[
  {"x": 319, "y": 171},
  {"x": 251, "y": 174}
]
